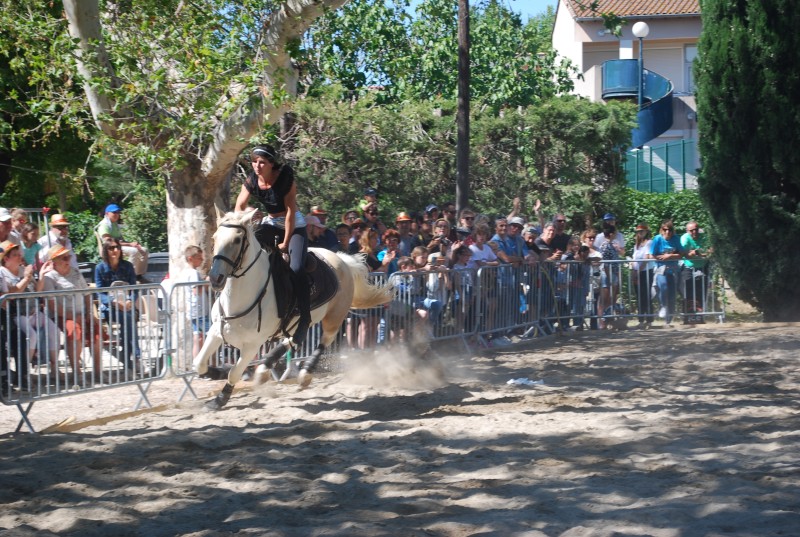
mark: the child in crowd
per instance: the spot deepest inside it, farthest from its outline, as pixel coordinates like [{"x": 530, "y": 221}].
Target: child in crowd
[
  {"x": 198, "y": 303},
  {"x": 30, "y": 245}
]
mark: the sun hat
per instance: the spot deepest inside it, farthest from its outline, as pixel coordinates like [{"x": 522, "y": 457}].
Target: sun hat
[
  {"x": 58, "y": 219},
  {"x": 516, "y": 220},
  {"x": 57, "y": 251},
  {"x": 113, "y": 208},
  {"x": 5, "y": 216},
  {"x": 5, "y": 247}
]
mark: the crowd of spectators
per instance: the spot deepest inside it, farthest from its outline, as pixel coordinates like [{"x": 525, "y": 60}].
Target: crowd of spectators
[
  {"x": 581, "y": 272},
  {"x": 34, "y": 331},
  {"x": 554, "y": 268}
]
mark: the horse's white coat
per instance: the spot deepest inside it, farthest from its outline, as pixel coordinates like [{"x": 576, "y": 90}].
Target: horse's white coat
[{"x": 240, "y": 293}]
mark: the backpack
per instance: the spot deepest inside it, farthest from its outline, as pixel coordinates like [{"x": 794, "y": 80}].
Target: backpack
[{"x": 608, "y": 251}]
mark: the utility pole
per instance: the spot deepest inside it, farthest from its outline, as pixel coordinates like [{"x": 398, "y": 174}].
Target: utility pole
[{"x": 462, "y": 115}]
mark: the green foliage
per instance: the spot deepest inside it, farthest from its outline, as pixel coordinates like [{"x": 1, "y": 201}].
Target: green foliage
[
  {"x": 179, "y": 70},
  {"x": 559, "y": 152},
  {"x": 369, "y": 44},
  {"x": 81, "y": 234},
  {"x": 750, "y": 180},
  {"x": 652, "y": 208},
  {"x": 145, "y": 217}
]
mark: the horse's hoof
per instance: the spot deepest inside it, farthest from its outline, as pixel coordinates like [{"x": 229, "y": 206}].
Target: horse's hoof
[
  {"x": 221, "y": 399},
  {"x": 304, "y": 379},
  {"x": 214, "y": 373},
  {"x": 261, "y": 376}
]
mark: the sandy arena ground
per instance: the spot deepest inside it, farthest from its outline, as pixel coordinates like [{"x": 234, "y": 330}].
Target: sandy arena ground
[{"x": 668, "y": 433}]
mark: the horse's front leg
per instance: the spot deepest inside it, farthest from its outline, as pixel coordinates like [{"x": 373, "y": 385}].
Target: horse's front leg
[
  {"x": 212, "y": 342},
  {"x": 234, "y": 376}
]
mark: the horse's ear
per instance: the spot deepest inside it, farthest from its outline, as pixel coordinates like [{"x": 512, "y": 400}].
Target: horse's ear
[
  {"x": 247, "y": 217},
  {"x": 220, "y": 214}
]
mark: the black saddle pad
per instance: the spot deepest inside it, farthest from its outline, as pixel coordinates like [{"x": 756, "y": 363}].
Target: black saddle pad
[
  {"x": 324, "y": 283},
  {"x": 322, "y": 279}
]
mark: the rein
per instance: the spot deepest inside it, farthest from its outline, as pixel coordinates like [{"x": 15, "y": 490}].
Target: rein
[{"x": 236, "y": 265}]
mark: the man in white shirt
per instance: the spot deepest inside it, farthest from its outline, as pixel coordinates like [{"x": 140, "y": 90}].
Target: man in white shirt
[{"x": 58, "y": 236}]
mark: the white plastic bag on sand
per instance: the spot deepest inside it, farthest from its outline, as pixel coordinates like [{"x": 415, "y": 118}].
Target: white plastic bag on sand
[{"x": 524, "y": 382}]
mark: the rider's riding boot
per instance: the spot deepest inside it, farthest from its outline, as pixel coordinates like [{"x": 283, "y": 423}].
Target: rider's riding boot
[{"x": 302, "y": 292}]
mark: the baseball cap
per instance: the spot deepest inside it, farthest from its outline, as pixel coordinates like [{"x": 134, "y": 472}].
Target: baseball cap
[
  {"x": 609, "y": 216},
  {"x": 370, "y": 192},
  {"x": 112, "y": 208},
  {"x": 516, "y": 221},
  {"x": 5, "y": 216},
  {"x": 431, "y": 207},
  {"x": 403, "y": 217},
  {"x": 314, "y": 221},
  {"x": 317, "y": 209}
]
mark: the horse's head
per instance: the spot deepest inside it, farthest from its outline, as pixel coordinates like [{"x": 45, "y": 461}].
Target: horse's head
[{"x": 235, "y": 248}]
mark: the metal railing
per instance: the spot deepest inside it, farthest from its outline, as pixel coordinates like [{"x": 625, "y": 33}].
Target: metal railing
[{"x": 62, "y": 343}]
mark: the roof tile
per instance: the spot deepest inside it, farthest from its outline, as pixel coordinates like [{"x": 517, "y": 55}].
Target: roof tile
[{"x": 635, "y": 8}]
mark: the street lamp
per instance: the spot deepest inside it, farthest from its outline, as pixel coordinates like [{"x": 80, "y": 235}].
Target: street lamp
[{"x": 640, "y": 30}]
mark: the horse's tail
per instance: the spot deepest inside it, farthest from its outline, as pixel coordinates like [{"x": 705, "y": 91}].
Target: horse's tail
[{"x": 366, "y": 293}]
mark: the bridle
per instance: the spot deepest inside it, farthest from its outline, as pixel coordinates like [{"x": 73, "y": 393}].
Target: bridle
[{"x": 236, "y": 265}]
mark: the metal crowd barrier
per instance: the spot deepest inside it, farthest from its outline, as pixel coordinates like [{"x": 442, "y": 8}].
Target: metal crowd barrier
[
  {"x": 43, "y": 356},
  {"x": 60, "y": 343}
]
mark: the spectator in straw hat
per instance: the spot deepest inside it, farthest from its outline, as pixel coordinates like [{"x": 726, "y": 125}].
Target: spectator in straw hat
[
  {"x": 17, "y": 277},
  {"x": 58, "y": 236},
  {"x": 73, "y": 313}
]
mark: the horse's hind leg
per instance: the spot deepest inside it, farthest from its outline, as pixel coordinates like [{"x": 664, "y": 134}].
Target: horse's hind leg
[{"x": 309, "y": 366}]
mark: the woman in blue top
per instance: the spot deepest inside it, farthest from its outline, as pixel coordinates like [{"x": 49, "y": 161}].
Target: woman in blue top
[
  {"x": 666, "y": 249},
  {"x": 119, "y": 307}
]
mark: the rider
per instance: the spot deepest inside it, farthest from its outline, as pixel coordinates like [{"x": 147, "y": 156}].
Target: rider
[{"x": 273, "y": 184}]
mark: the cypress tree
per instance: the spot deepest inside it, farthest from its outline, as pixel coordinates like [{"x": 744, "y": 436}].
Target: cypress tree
[{"x": 748, "y": 101}]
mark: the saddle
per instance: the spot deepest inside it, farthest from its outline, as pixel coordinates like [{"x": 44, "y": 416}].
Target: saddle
[{"x": 323, "y": 284}]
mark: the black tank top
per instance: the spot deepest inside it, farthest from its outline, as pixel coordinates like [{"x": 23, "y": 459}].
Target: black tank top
[{"x": 272, "y": 198}]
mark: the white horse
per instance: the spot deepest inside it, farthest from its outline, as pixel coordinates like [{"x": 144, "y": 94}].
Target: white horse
[{"x": 246, "y": 313}]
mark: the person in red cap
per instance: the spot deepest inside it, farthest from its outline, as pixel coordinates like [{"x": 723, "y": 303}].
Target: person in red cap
[
  {"x": 327, "y": 238},
  {"x": 403, "y": 223}
]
